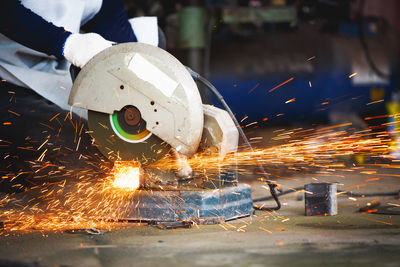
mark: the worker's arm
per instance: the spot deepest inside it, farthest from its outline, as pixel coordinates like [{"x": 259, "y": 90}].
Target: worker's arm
[
  {"x": 112, "y": 23},
  {"x": 27, "y": 28},
  {"x": 31, "y": 30}
]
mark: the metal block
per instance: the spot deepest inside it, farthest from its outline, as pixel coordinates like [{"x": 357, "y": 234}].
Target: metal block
[
  {"x": 201, "y": 206},
  {"x": 320, "y": 199}
]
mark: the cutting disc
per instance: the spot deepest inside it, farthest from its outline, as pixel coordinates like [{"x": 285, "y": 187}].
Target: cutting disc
[{"x": 123, "y": 136}]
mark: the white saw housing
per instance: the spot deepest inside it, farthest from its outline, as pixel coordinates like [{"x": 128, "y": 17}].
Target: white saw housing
[
  {"x": 150, "y": 79},
  {"x": 219, "y": 131}
]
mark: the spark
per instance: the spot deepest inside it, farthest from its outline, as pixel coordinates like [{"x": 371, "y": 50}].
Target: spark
[
  {"x": 379, "y": 117},
  {"x": 42, "y": 144},
  {"x": 290, "y": 100},
  {"x": 15, "y": 113},
  {"x": 41, "y": 157},
  {"x": 244, "y": 118},
  {"x": 375, "y": 102},
  {"x": 46, "y": 125},
  {"x": 254, "y": 87},
  {"x": 265, "y": 230},
  {"x": 250, "y": 124},
  {"x": 279, "y": 85},
  {"x": 55, "y": 116},
  {"x": 353, "y": 74},
  {"x": 77, "y": 146}
]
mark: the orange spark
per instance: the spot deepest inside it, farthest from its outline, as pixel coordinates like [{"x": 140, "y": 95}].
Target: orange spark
[
  {"x": 353, "y": 74},
  {"x": 254, "y": 87},
  {"x": 15, "y": 113},
  {"x": 378, "y": 117},
  {"x": 290, "y": 100},
  {"x": 265, "y": 230},
  {"x": 55, "y": 116},
  {"x": 279, "y": 85}
]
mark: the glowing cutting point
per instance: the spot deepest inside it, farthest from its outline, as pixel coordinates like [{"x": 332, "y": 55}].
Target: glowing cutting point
[{"x": 126, "y": 175}]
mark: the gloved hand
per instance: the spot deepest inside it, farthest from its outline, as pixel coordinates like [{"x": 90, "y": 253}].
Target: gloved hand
[{"x": 80, "y": 48}]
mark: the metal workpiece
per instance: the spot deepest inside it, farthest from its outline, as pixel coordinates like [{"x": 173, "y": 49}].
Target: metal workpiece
[
  {"x": 320, "y": 199},
  {"x": 200, "y": 206}
]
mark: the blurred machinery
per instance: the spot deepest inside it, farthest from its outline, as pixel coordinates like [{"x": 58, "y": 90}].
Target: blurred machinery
[{"x": 286, "y": 62}]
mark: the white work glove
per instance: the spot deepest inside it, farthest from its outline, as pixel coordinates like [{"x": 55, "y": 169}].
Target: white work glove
[{"x": 80, "y": 48}]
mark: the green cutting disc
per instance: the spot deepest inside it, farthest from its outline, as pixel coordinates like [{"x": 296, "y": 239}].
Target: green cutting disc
[{"x": 123, "y": 136}]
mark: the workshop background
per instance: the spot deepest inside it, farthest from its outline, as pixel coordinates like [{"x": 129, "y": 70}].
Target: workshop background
[{"x": 315, "y": 86}]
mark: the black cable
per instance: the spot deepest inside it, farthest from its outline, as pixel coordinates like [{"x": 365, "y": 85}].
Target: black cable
[
  {"x": 343, "y": 192},
  {"x": 211, "y": 87},
  {"x": 292, "y": 190}
]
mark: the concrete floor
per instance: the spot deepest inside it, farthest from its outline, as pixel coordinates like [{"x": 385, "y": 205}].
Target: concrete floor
[{"x": 285, "y": 238}]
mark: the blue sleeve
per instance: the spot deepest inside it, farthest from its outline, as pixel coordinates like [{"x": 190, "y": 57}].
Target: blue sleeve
[
  {"x": 31, "y": 30},
  {"x": 112, "y": 23}
]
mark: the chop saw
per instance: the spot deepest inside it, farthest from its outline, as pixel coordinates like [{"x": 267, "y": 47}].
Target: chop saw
[{"x": 143, "y": 104}]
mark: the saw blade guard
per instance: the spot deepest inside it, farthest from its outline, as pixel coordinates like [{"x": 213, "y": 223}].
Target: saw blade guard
[{"x": 149, "y": 79}]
